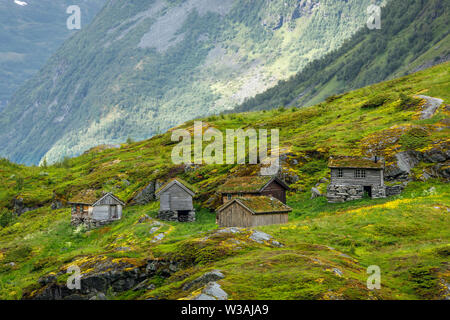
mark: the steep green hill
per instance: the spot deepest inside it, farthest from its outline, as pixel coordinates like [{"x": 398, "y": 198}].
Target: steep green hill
[
  {"x": 325, "y": 248},
  {"x": 144, "y": 66},
  {"x": 30, "y": 33},
  {"x": 414, "y": 35}
]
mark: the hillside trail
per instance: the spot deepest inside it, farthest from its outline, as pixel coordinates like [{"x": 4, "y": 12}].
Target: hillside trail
[{"x": 430, "y": 107}]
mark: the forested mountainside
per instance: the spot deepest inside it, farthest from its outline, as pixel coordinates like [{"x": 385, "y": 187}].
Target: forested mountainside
[
  {"x": 30, "y": 32},
  {"x": 144, "y": 66},
  {"x": 322, "y": 253},
  {"x": 414, "y": 35}
]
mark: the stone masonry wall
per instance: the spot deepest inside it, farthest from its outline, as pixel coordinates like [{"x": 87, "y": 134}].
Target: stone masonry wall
[
  {"x": 342, "y": 193},
  {"x": 173, "y": 216}
]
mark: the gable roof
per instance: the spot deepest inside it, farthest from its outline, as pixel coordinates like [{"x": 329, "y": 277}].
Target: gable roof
[
  {"x": 355, "y": 162},
  {"x": 109, "y": 194},
  {"x": 183, "y": 184},
  {"x": 249, "y": 184},
  {"x": 259, "y": 205},
  {"x": 89, "y": 197}
]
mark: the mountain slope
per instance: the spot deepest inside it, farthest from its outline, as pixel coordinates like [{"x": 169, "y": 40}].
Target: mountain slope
[
  {"x": 414, "y": 35},
  {"x": 145, "y": 66},
  {"x": 326, "y": 247},
  {"x": 30, "y": 33}
]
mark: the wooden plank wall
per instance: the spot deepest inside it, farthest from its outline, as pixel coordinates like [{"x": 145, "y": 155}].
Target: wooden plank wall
[
  {"x": 373, "y": 177},
  {"x": 237, "y": 216}
]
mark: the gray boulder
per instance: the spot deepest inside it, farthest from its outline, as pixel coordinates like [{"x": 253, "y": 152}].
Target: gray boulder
[
  {"x": 315, "y": 193},
  {"x": 214, "y": 275},
  {"x": 214, "y": 289},
  {"x": 260, "y": 237}
]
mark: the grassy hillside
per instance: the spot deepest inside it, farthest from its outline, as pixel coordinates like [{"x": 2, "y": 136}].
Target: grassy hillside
[
  {"x": 414, "y": 35},
  {"x": 145, "y": 66},
  {"x": 325, "y": 250}
]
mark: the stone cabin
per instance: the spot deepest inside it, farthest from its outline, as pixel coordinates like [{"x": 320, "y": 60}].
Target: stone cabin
[
  {"x": 92, "y": 211},
  {"x": 355, "y": 177},
  {"x": 253, "y": 186},
  {"x": 176, "y": 201},
  {"x": 251, "y": 212}
]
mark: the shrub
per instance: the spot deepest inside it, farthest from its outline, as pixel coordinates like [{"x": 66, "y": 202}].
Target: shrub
[
  {"x": 424, "y": 280},
  {"x": 6, "y": 218},
  {"x": 18, "y": 254},
  {"x": 407, "y": 102},
  {"x": 375, "y": 102},
  {"x": 415, "y": 138}
]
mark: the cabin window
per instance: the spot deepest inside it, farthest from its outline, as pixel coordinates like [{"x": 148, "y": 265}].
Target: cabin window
[
  {"x": 240, "y": 194},
  {"x": 340, "y": 173},
  {"x": 360, "y": 173},
  {"x": 229, "y": 196}
]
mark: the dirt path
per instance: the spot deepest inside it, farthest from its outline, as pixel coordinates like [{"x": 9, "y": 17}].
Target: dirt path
[{"x": 430, "y": 107}]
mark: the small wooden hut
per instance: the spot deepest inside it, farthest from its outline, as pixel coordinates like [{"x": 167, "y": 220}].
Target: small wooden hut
[
  {"x": 88, "y": 209},
  {"x": 176, "y": 201},
  {"x": 253, "y": 186},
  {"x": 354, "y": 177},
  {"x": 252, "y": 211}
]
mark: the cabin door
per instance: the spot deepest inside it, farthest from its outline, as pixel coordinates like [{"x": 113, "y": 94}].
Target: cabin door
[
  {"x": 113, "y": 212},
  {"x": 368, "y": 191}
]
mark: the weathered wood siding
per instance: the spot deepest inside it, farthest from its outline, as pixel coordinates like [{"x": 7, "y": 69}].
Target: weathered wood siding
[
  {"x": 108, "y": 200},
  {"x": 275, "y": 190},
  {"x": 237, "y": 216},
  {"x": 373, "y": 177},
  {"x": 175, "y": 198},
  {"x": 107, "y": 212}
]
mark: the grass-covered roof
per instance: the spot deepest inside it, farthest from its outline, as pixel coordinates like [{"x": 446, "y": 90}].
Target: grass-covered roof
[
  {"x": 355, "y": 162},
  {"x": 88, "y": 196},
  {"x": 263, "y": 204},
  {"x": 244, "y": 184}
]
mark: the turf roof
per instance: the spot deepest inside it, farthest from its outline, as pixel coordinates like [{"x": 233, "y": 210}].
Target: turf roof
[
  {"x": 244, "y": 184},
  {"x": 88, "y": 196},
  {"x": 261, "y": 204},
  {"x": 355, "y": 162}
]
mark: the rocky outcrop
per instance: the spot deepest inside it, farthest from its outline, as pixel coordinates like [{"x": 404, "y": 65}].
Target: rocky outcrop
[
  {"x": 408, "y": 160},
  {"x": 19, "y": 206},
  {"x": 394, "y": 190},
  {"x": 147, "y": 194},
  {"x": 430, "y": 107},
  {"x": 214, "y": 275},
  {"x": 107, "y": 277}
]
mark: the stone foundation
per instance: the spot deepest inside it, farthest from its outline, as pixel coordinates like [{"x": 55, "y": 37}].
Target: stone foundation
[
  {"x": 88, "y": 222},
  {"x": 173, "y": 216},
  {"x": 378, "y": 192},
  {"x": 342, "y": 193}
]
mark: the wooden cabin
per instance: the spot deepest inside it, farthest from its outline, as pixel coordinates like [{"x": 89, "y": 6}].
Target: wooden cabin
[
  {"x": 253, "y": 186},
  {"x": 252, "y": 212},
  {"x": 176, "y": 203},
  {"x": 91, "y": 210},
  {"x": 355, "y": 177}
]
